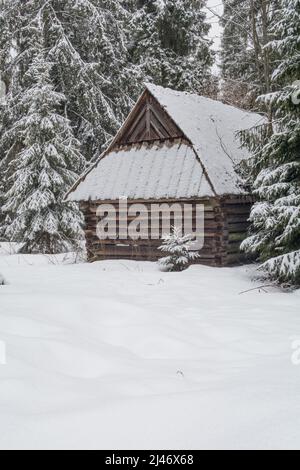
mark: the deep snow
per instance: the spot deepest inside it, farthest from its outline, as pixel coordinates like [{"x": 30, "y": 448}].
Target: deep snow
[{"x": 119, "y": 355}]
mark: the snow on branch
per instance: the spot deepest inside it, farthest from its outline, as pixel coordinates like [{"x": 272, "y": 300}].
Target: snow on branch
[{"x": 179, "y": 248}]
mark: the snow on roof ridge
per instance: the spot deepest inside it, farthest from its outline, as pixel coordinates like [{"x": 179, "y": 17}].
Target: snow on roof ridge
[{"x": 152, "y": 87}]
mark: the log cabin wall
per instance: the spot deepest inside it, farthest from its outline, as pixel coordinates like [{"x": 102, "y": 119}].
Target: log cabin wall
[
  {"x": 236, "y": 212},
  {"x": 225, "y": 227}
]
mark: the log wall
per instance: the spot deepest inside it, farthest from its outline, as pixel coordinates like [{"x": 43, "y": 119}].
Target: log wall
[
  {"x": 225, "y": 226},
  {"x": 236, "y": 212}
]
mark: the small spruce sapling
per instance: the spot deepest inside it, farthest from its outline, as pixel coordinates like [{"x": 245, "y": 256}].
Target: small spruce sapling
[{"x": 179, "y": 249}]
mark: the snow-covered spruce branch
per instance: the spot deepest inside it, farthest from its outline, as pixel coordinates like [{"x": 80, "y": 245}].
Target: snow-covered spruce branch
[
  {"x": 179, "y": 248},
  {"x": 285, "y": 268}
]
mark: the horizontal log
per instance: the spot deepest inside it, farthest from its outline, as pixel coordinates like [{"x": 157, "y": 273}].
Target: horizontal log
[
  {"x": 238, "y": 227},
  {"x": 237, "y": 220},
  {"x": 237, "y": 236},
  {"x": 140, "y": 256},
  {"x": 114, "y": 249},
  {"x": 206, "y": 201},
  {"x": 241, "y": 213},
  {"x": 208, "y": 241},
  {"x": 236, "y": 200},
  {"x": 209, "y": 213},
  {"x": 208, "y": 232},
  {"x": 208, "y": 219}
]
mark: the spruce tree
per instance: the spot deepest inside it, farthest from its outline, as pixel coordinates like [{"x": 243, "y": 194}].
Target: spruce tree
[
  {"x": 6, "y": 39},
  {"x": 47, "y": 165},
  {"x": 275, "y": 166},
  {"x": 179, "y": 250},
  {"x": 169, "y": 44},
  {"x": 86, "y": 42},
  {"x": 20, "y": 42},
  {"x": 87, "y": 45},
  {"x": 237, "y": 63},
  {"x": 246, "y": 63}
]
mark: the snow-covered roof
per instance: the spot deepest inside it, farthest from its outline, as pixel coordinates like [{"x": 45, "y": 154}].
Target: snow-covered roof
[
  {"x": 145, "y": 172},
  {"x": 212, "y": 128},
  {"x": 150, "y": 171}
]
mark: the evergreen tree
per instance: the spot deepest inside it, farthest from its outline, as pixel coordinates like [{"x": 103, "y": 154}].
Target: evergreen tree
[
  {"x": 179, "y": 249},
  {"x": 237, "y": 64},
  {"x": 87, "y": 46},
  {"x": 18, "y": 40},
  {"x": 6, "y": 9},
  {"x": 6, "y": 39},
  {"x": 169, "y": 44},
  {"x": 47, "y": 165},
  {"x": 275, "y": 166},
  {"x": 2, "y": 183},
  {"x": 246, "y": 63}
]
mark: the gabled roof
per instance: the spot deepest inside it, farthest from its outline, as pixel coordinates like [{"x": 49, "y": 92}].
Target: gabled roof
[
  {"x": 212, "y": 127},
  {"x": 203, "y": 165}
]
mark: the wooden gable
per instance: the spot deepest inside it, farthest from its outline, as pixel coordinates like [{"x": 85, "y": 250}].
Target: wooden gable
[{"x": 148, "y": 122}]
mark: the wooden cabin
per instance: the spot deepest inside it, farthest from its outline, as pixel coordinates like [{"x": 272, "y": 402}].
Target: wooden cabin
[{"x": 174, "y": 147}]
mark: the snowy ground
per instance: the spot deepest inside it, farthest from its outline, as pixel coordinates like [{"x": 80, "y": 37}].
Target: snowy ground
[{"x": 118, "y": 355}]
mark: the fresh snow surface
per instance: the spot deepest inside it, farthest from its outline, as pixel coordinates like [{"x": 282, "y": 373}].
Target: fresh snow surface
[
  {"x": 117, "y": 355},
  {"x": 147, "y": 172}
]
